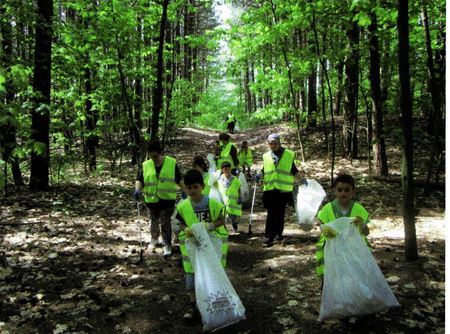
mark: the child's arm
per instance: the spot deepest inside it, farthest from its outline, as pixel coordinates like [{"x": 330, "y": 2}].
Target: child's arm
[
  {"x": 361, "y": 225},
  {"x": 216, "y": 224}
]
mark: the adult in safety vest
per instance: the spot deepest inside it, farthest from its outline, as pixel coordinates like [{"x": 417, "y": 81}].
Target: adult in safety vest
[
  {"x": 199, "y": 209},
  {"x": 157, "y": 183},
  {"x": 279, "y": 172},
  {"x": 228, "y": 153}
]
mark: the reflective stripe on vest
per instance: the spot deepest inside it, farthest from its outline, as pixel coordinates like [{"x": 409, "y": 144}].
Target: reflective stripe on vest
[
  {"x": 231, "y": 196},
  {"x": 162, "y": 187},
  {"x": 278, "y": 177},
  {"x": 186, "y": 211}
]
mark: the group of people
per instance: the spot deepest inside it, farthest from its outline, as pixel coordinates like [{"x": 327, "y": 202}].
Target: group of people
[{"x": 159, "y": 177}]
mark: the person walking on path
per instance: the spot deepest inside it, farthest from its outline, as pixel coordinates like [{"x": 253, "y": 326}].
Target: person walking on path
[
  {"x": 157, "y": 181},
  {"x": 279, "y": 172},
  {"x": 342, "y": 206},
  {"x": 231, "y": 122},
  {"x": 245, "y": 158},
  {"x": 230, "y": 189},
  {"x": 228, "y": 153},
  {"x": 196, "y": 209}
]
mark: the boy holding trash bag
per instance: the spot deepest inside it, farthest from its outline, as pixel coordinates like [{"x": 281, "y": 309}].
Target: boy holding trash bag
[
  {"x": 208, "y": 212},
  {"x": 353, "y": 284},
  {"x": 342, "y": 206}
]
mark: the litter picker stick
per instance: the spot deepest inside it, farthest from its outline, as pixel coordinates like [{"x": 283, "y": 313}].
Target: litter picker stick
[
  {"x": 251, "y": 211},
  {"x": 141, "y": 251}
]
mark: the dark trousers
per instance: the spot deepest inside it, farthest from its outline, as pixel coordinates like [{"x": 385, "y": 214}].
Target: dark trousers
[{"x": 275, "y": 202}]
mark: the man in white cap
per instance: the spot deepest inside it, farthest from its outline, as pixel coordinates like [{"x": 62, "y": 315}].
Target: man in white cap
[{"x": 279, "y": 172}]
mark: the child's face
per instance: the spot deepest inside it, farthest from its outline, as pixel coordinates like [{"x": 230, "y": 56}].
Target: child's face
[
  {"x": 226, "y": 171},
  {"x": 194, "y": 191},
  {"x": 344, "y": 193}
]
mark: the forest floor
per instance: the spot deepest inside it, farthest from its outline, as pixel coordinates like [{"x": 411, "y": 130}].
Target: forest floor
[{"x": 73, "y": 255}]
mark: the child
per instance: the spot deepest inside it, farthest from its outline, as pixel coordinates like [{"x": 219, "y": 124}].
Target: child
[
  {"x": 245, "y": 157},
  {"x": 230, "y": 189},
  {"x": 200, "y": 164},
  {"x": 342, "y": 206},
  {"x": 207, "y": 211}
]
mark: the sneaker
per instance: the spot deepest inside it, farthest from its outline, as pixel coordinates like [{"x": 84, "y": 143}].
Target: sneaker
[
  {"x": 280, "y": 238},
  {"x": 152, "y": 245},
  {"x": 167, "y": 251}
]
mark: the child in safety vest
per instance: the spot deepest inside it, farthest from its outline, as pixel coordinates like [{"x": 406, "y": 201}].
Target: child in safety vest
[
  {"x": 245, "y": 157},
  {"x": 198, "y": 208},
  {"x": 342, "y": 206},
  {"x": 230, "y": 189},
  {"x": 199, "y": 164}
]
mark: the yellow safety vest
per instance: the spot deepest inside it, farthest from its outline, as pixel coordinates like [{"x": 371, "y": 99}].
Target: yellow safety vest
[
  {"x": 331, "y": 212},
  {"x": 207, "y": 187},
  {"x": 163, "y": 186},
  {"x": 246, "y": 158},
  {"x": 185, "y": 209},
  {"x": 278, "y": 177},
  {"x": 231, "y": 196},
  {"x": 225, "y": 155}
]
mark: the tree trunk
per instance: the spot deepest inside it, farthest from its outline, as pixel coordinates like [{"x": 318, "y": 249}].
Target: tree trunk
[
  {"x": 379, "y": 146},
  {"x": 351, "y": 94},
  {"x": 434, "y": 116},
  {"x": 8, "y": 129},
  {"x": 312, "y": 98},
  {"x": 435, "y": 123},
  {"x": 158, "y": 89},
  {"x": 40, "y": 114},
  {"x": 91, "y": 121},
  {"x": 407, "y": 127}
]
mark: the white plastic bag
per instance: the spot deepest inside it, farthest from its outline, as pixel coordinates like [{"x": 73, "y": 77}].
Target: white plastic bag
[
  {"x": 212, "y": 163},
  {"x": 309, "y": 197},
  {"x": 244, "y": 188},
  {"x": 217, "y": 300},
  {"x": 237, "y": 128},
  {"x": 214, "y": 190},
  {"x": 353, "y": 282}
]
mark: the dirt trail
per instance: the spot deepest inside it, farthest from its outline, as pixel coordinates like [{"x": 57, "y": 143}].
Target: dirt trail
[{"x": 74, "y": 259}]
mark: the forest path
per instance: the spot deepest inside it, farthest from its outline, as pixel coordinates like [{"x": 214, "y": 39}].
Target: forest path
[{"x": 74, "y": 251}]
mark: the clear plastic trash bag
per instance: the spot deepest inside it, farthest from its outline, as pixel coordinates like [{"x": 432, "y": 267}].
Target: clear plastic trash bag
[
  {"x": 244, "y": 188},
  {"x": 309, "y": 197},
  {"x": 353, "y": 282},
  {"x": 217, "y": 301},
  {"x": 214, "y": 190}
]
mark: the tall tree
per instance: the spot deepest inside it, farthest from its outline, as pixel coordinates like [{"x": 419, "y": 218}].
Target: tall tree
[
  {"x": 158, "y": 88},
  {"x": 40, "y": 114},
  {"x": 379, "y": 146},
  {"x": 351, "y": 92},
  {"x": 407, "y": 126},
  {"x": 9, "y": 123}
]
